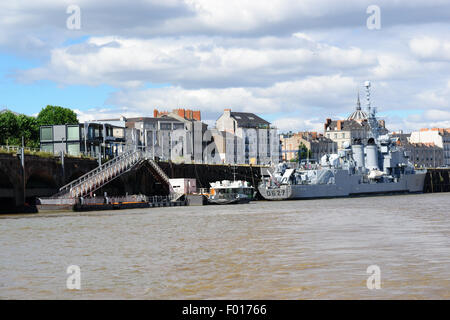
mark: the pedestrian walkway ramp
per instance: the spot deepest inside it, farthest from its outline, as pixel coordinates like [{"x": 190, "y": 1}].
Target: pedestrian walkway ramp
[{"x": 107, "y": 172}]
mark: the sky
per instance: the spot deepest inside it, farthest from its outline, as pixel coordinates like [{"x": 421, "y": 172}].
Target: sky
[{"x": 294, "y": 63}]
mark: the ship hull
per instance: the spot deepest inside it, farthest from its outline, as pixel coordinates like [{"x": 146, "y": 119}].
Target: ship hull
[
  {"x": 345, "y": 187},
  {"x": 229, "y": 201}
]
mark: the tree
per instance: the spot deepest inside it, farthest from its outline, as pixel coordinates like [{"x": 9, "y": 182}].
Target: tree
[
  {"x": 28, "y": 127},
  {"x": 303, "y": 153},
  {"x": 8, "y": 128},
  {"x": 54, "y": 115},
  {"x": 14, "y": 127}
]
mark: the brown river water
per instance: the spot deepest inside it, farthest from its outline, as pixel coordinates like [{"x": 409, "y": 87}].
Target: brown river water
[{"x": 313, "y": 249}]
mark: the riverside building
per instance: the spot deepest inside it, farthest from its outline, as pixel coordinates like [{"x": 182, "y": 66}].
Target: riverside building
[
  {"x": 316, "y": 143},
  {"x": 245, "y": 138},
  {"x": 175, "y": 136},
  {"x": 90, "y": 138},
  {"x": 440, "y": 137}
]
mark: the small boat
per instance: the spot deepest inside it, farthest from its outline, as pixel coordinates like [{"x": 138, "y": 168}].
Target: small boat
[{"x": 229, "y": 192}]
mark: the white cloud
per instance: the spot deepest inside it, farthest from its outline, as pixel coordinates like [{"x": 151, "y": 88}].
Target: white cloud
[
  {"x": 104, "y": 113},
  {"x": 430, "y": 48},
  {"x": 434, "y": 118},
  {"x": 194, "y": 62},
  {"x": 281, "y": 97},
  {"x": 295, "y": 124}
]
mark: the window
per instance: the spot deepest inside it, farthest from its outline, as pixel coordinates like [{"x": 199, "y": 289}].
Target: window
[
  {"x": 90, "y": 133},
  {"x": 47, "y": 134},
  {"x": 47, "y": 147},
  {"x": 73, "y": 149},
  {"x": 165, "y": 126},
  {"x": 73, "y": 133}
]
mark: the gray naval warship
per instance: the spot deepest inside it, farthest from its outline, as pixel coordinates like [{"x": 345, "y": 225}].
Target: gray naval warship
[{"x": 377, "y": 166}]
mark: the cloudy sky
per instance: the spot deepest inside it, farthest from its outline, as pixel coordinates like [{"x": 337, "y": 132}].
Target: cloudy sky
[{"x": 294, "y": 63}]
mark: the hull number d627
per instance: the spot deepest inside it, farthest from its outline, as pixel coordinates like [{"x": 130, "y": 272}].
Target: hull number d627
[{"x": 275, "y": 193}]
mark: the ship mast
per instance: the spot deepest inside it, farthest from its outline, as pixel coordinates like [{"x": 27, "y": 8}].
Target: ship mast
[{"x": 373, "y": 122}]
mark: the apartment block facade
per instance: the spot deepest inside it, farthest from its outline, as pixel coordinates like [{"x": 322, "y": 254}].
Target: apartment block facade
[
  {"x": 248, "y": 139},
  {"x": 176, "y": 135},
  {"x": 318, "y": 145},
  {"x": 440, "y": 137}
]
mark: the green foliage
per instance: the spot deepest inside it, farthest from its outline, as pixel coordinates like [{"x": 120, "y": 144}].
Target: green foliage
[
  {"x": 303, "y": 153},
  {"x": 54, "y": 115},
  {"x": 29, "y": 129},
  {"x": 9, "y": 128}
]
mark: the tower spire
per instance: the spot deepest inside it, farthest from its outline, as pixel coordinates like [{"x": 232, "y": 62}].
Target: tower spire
[{"x": 358, "y": 103}]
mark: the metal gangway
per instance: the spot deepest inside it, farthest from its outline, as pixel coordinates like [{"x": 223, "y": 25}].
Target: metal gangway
[
  {"x": 160, "y": 171},
  {"x": 107, "y": 172}
]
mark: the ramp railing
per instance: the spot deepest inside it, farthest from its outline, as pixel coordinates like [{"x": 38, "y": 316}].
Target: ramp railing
[
  {"x": 107, "y": 172},
  {"x": 101, "y": 175}
]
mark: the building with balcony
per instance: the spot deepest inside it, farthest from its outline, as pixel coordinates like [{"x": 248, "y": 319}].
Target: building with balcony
[{"x": 89, "y": 138}]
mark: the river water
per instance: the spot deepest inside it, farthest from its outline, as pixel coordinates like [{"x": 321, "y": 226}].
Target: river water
[{"x": 313, "y": 249}]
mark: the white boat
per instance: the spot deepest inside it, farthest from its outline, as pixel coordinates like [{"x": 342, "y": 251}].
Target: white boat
[{"x": 230, "y": 192}]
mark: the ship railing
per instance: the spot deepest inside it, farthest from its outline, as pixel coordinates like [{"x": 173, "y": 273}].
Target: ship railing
[
  {"x": 93, "y": 200},
  {"x": 159, "y": 199},
  {"x": 57, "y": 201},
  {"x": 132, "y": 198},
  {"x": 227, "y": 196}
]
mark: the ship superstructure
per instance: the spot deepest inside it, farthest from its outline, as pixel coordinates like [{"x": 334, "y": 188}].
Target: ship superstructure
[{"x": 378, "y": 166}]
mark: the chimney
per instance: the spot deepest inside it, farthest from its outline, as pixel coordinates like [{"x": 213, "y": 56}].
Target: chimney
[
  {"x": 196, "y": 115},
  {"x": 155, "y": 113},
  {"x": 227, "y": 112},
  {"x": 327, "y": 123},
  {"x": 339, "y": 125},
  {"x": 179, "y": 112}
]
